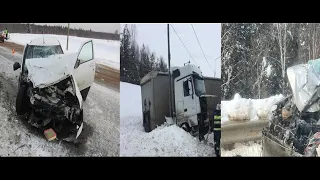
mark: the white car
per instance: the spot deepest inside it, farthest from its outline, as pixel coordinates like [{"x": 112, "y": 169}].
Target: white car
[{"x": 53, "y": 85}]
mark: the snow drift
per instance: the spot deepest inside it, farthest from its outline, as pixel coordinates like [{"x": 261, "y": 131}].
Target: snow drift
[
  {"x": 241, "y": 109},
  {"x": 244, "y": 149}
]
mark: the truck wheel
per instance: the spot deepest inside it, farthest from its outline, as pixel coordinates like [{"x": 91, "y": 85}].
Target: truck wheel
[
  {"x": 22, "y": 100},
  {"x": 84, "y": 93},
  {"x": 185, "y": 127}
]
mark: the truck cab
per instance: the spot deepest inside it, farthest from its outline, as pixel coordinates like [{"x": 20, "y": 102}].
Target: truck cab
[{"x": 189, "y": 97}]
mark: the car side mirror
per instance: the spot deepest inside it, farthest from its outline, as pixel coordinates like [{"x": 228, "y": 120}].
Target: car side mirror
[
  {"x": 77, "y": 63},
  {"x": 16, "y": 66}
]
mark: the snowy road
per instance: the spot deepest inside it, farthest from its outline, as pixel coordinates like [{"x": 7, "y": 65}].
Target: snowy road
[{"x": 101, "y": 116}]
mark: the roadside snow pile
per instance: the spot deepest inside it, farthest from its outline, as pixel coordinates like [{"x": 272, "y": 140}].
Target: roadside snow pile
[
  {"x": 162, "y": 141},
  {"x": 106, "y": 52},
  {"x": 244, "y": 149},
  {"x": 240, "y": 109}
]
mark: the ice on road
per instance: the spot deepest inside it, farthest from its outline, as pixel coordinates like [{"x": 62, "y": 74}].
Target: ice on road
[{"x": 162, "y": 141}]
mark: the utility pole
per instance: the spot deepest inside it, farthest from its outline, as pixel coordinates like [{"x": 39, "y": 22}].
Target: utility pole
[
  {"x": 68, "y": 36},
  {"x": 170, "y": 88}
]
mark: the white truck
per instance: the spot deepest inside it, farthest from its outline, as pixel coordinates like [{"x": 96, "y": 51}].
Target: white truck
[
  {"x": 53, "y": 85},
  {"x": 190, "y": 108}
]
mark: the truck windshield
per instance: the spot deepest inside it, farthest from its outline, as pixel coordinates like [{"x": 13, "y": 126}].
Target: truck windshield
[
  {"x": 199, "y": 85},
  {"x": 42, "y": 51}
]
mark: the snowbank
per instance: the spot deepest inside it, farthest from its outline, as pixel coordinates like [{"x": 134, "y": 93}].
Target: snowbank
[
  {"x": 240, "y": 109},
  {"x": 162, "y": 141},
  {"x": 244, "y": 149},
  {"x": 106, "y": 52}
]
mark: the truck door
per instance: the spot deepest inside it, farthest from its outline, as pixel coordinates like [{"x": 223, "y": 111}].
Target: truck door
[
  {"x": 85, "y": 66},
  {"x": 189, "y": 98}
]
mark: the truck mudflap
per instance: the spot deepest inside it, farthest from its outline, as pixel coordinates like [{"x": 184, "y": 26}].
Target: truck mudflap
[{"x": 272, "y": 147}]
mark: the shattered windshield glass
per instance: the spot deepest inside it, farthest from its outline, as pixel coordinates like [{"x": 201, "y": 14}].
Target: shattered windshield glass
[
  {"x": 42, "y": 51},
  {"x": 199, "y": 85}
]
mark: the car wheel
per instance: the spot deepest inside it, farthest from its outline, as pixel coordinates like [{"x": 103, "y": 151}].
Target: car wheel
[{"x": 22, "y": 100}]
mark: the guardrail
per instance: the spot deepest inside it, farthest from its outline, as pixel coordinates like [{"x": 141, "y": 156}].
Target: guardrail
[{"x": 237, "y": 132}]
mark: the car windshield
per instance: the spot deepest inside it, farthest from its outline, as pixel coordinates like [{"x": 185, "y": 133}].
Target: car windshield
[
  {"x": 42, "y": 51},
  {"x": 199, "y": 85}
]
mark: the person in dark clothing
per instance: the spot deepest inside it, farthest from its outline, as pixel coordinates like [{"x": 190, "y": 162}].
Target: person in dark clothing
[
  {"x": 6, "y": 32},
  {"x": 217, "y": 129}
]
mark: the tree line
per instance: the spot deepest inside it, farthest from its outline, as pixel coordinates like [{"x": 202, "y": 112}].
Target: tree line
[
  {"x": 255, "y": 56},
  {"x": 59, "y": 30},
  {"x": 137, "y": 61}
]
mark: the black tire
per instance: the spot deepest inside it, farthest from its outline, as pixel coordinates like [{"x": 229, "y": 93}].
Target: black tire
[
  {"x": 84, "y": 93},
  {"x": 185, "y": 126},
  {"x": 22, "y": 100}
]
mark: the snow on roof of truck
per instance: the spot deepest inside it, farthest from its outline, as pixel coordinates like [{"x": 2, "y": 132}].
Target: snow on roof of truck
[
  {"x": 152, "y": 75},
  {"x": 45, "y": 41}
]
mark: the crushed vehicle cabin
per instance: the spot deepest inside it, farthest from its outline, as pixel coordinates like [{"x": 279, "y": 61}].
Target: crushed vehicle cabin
[
  {"x": 53, "y": 85},
  {"x": 294, "y": 128}
]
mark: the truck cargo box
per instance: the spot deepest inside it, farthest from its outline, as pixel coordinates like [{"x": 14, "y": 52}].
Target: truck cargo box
[{"x": 155, "y": 99}]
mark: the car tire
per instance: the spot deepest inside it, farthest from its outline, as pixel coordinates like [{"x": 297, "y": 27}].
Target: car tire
[
  {"x": 84, "y": 93},
  {"x": 22, "y": 100}
]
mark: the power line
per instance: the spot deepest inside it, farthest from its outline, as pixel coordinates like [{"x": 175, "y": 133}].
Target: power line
[
  {"x": 202, "y": 49},
  {"x": 183, "y": 44}
]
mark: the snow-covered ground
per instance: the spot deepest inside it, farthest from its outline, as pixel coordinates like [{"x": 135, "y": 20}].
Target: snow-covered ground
[
  {"x": 106, "y": 52},
  {"x": 162, "y": 141},
  {"x": 243, "y": 149},
  {"x": 100, "y": 135},
  {"x": 241, "y": 109}
]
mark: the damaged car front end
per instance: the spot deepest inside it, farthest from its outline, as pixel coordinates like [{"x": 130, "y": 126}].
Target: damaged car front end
[
  {"x": 57, "y": 107},
  {"x": 49, "y": 95},
  {"x": 295, "y": 121}
]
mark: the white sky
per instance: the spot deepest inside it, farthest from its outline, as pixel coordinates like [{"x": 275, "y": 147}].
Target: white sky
[
  {"x": 99, "y": 27},
  {"x": 209, "y": 35}
]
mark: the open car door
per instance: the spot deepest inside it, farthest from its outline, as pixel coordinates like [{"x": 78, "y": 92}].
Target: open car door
[{"x": 85, "y": 66}]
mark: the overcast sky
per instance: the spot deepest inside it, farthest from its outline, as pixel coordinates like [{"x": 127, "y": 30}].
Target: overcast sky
[
  {"x": 209, "y": 35},
  {"x": 99, "y": 27}
]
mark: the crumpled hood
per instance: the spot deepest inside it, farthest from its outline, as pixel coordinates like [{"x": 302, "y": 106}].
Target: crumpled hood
[
  {"x": 304, "y": 80},
  {"x": 43, "y": 72}
]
